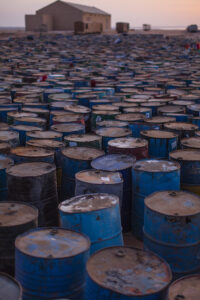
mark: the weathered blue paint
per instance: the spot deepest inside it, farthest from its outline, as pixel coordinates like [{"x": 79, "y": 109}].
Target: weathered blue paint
[
  {"x": 97, "y": 216},
  {"x": 123, "y": 164},
  {"x": 149, "y": 176},
  {"x": 161, "y": 143},
  {"x": 4, "y": 113},
  {"x": 5, "y": 163},
  {"x": 137, "y": 127},
  {"x": 179, "y": 117},
  {"x": 54, "y": 268},
  {"x": 122, "y": 273}
]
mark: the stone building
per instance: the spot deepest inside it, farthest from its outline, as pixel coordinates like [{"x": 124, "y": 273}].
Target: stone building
[{"x": 61, "y": 15}]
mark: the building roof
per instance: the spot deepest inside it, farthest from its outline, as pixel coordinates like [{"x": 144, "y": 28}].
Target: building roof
[{"x": 83, "y": 8}]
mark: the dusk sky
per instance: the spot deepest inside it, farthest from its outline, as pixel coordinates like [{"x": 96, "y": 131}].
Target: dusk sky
[{"x": 136, "y": 12}]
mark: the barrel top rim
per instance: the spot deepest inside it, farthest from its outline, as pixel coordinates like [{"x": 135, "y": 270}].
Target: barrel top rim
[
  {"x": 108, "y": 162},
  {"x": 161, "y": 134},
  {"x": 33, "y": 169},
  {"x": 154, "y": 165},
  {"x": 82, "y": 153},
  {"x": 99, "y": 177},
  {"x": 185, "y": 155},
  {"x": 113, "y": 132},
  {"x": 128, "y": 143},
  {"x": 181, "y": 285}
]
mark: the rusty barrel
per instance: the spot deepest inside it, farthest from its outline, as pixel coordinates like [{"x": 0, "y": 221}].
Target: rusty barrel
[
  {"x": 102, "y": 115},
  {"x": 50, "y": 263},
  {"x": 184, "y": 130},
  {"x": 10, "y": 137},
  {"x": 83, "y": 140},
  {"x": 68, "y": 128},
  {"x": 74, "y": 160},
  {"x": 97, "y": 181},
  {"x": 15, "y": 114},
  {"x": 160, "y": 121},
  {"x": 97, "y": 216},
  {"x": 185, "y": 288},
  {"x": 191, "y": 143},
  {"x": 15, "y": 218},
  {"x": 111, "y": 133},
  {"x": 31, "y": 154},
  {"x": 119, "y": 163},
  {"x": 46, "y": 135},
  {"x": 167, "y": 109},
  {"x": 10, "y": 289},
  {"x": 82, "y": 110},
  {"x": 22, "y": 131},
  {"x": 171, "y": 229},
  {"x": 126, "y": 273},
  {"x": 161, "y": 142},
  {"x": 30, "y": 121},
  {"x": 5, "y": 148},
  {"x": 148, "y": 176},
  {"x": 189, "y": 160},
  {"x": 5, "y": 164},
  {"x": 35, "y": 183},
  {"x": 130, "y": 146}
]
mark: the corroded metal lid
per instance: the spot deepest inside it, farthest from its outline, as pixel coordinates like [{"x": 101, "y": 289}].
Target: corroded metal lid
[
  {"x": 82, "y": 138},
  {"x": 193, "y": 142},
  {"x": 52, "y": 243},
  {"x": 129, "y": 271},
  {"x": 130, "y": 117},
  {"x": 171, "y": 108},
  {"x": 70, "y": 127},
  {"x": 194, "y": 107},
  {"x": 186, "y": 154},
  {"x": 10, "y": 289},
  {"x": 87, "y": 203},
  {"x": 128, "y": 142},
  {"x": 105, "y": 112},
  {"x": 112, "y": 123},
  {"x": 15, "y": 213},
  {"x": 77, "y": 108},
  {"x": 44, "y": 143},
  {"x": 159, "y": 134},
  {"x": 174, "y": 203},
  {"x": 44, "y": 134},
  {"x": 113, "y": 132},
  {"x": 113, "y": 162},
  {"x": 185, "y": 288},
  {"x": 17, "y": 114},
  {"x": 31, "y": 152},
  {"x": 4, "y": 126},
  {"x": 31, "y": 169},
  {"x": 160, "y": 120},
  {"x": 99, "y": 177},
  {"x": 59, "y": 97},
  {"x": 31, "y": 120},
  {"x": 70, "y": 118},
  {"x": 26, "y": 128},
  {"x": 154, "y": 165},
  {"x": 180, "y": 126},
  {"x": 5, "y": 162},
  {"x": 108, "y": 107},
  {"x": 8, "y": 135},
  {"x": 82, "y": 153},
  {"x": 137, "y": 109}
]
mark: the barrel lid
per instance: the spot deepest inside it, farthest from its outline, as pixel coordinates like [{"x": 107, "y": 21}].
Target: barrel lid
[
  {"x": 174, "y": 203},
  {"x": 4, "y": 126},
  {"x": 185, "y": 155},
  {"x": 113, "y": 131},
  {"x": 77, "y": 108},
  {"x": 154, "y": 165},
  {"x": 44, "y": 134},
  {"x": 4, "y": 146},
  {"x": 113, "y": 162},
  {"x": 8, "y": 109},
  {"x": 16, "y": 213},
  {"x": 183, "y": 102},
  {"x": 10, "y": 289},
  {"x": 59, "y": 97},
  {"x": 68, "y": 127},
  {"x": 82, "y": 138},
  {"x": 125, "y": 104},
  {"x": 159, "y": 134},
  {"x": 99, "y": 177},
  {"x": 105, "y": 112},
  {"x": 82, "y": 153},
  {"x": 31, "y": 169},
  {"x": 128, "y": 142},
  {"x": 194, "y": 107},
  {"x": 31, "y": 152},
  {"x": 181, "y": 126},
  {"x": 137, "y": 109},
  {"x": 109, "y": 107},
  {"x": 152, "y": 103},
  {"x": 31, "y": 119},
  {"x": 89, "y": 202},
  {"x": 130, "y": 117},
  {"x": 45, "y": 143},
  {"x": 160, "y": 120},
  {"x": 67, "y": 118},
  {"x": 5, "y": 162},
  {"x": 171, "y": 108},
  {"x": 26, "y": 128},
  {"x": 6, "y": 135},
  {"x": 52, "y": 243},
  {"x": 21, "y": 114},
  {"x": 193, "y": 142},
  {"x": 112, "y": 123},
  {"x": 35, "y": 110},
  {"x": 185, "y": 288},
  {"x": 129, "y": 271}
]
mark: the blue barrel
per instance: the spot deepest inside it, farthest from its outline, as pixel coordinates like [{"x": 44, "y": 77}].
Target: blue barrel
[
  {"x": 122, "y": 273},
  {"x": 189, "y": 160},
  {"x": 50, "y": 263},
  {"x": 69, "y": 128},
  {"x": 171, "y": 109},
  {"x": 123, "y": 164},
  {"x": 160, "y": 120},
  {"x": 171, "y": 229},
  {"x": 10, "y": 137},
  {"x": 46, "y": 135},
  {"x": 13, "y": 115},
  {"x": 187, "y": 287},
  {"x": 5, "y": 164},
  {"x": 161, "y": 142},
  {"x": 32, "y": 154},
  {"x": 153, "y": 106},
  {"x": 29, "y": 121},
  {"x": 147, "y": 112},
  {"x": 22, "y": 130},
  {"x": 195, "y": 120},
  {"x": 4, "y": 113},
  {"x": 75, "y": 159},
  {"x": 83, "y": 140},
  {"x": 68, "y": 118},
  {"x": 110, "y": 133},
  {"x": 183, "y": 129},
  {"x": 85, "y": 99},
  {"x": 50, "y": 91},
  {"x": 194, "y": 109},
  {"x": 10, "y": 289},
  {"x": 111, "y": 123},
  {"x": 96, "y": 181},
  {"x": 97, "y": 216},
  {"x": 191, "y": 143},
  {"x": 149, "y": 176},
  {"x": 102, "y": 115},
  {"x": 59, "y": 97},
  {"x": 179, "y": 117}
]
